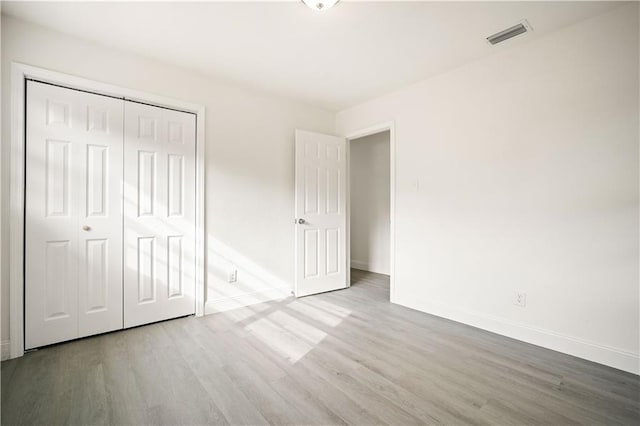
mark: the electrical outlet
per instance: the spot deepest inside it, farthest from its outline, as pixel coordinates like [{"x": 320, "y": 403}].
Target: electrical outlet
[
  {"x": 520, "y": 299},
  {"x": 233, "y": 276}
]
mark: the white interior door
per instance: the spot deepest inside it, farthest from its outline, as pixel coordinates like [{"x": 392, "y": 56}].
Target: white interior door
[
  {"x": 159, "y": 214},
  {"x": 73, "y": 214},
  {"x": 320, "y": 212}
]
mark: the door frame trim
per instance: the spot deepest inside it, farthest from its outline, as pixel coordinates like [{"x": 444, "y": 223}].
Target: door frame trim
[
  {"x": 19, "y": 74},
  {"x": 368, "y": 131}
]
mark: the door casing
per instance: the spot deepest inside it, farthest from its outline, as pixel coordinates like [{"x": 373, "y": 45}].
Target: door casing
[{"x": 20, "y": 73}]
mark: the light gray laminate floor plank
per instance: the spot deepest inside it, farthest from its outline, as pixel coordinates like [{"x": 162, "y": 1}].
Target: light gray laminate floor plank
[{"x": 345, "y": 357}]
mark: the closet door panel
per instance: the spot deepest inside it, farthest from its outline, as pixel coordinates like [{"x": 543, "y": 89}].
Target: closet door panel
[
  {"x": 100, "y": 211},
  {"x": 74, "y": 164},
  {"x": 159, "y": 192}
]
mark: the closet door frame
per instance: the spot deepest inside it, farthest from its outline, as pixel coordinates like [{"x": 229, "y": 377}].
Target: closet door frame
[{"x": 20, "y": 73}]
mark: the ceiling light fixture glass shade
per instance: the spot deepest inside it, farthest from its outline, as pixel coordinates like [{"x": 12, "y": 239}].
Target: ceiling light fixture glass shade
[{"x": 320, "y": 5}]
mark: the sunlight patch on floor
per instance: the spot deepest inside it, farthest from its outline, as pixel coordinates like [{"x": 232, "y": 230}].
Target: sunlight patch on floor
[
  {"x": 299, "y": 328},
  {"x": 283, "y": 342},
  {"x": 242, "y": 313},
  {"x": 291, "y": 337},
  {"x": 315, "y": 313},
  {"x": 329, "y": 307}
]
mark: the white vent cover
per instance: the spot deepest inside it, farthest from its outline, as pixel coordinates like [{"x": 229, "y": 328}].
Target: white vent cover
[{"x": 510, "y": 32}]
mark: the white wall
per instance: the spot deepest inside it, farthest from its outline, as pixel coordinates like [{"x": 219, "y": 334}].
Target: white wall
[
  {"x": 516, "y": 172},
  {"x": 370, "y": 212},
  {"x": 249, "y": 162},
  {"x": 519, "y": 172}
]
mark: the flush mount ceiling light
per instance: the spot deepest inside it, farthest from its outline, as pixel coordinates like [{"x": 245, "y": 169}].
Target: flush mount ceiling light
[{"x": 320, "y": 5}]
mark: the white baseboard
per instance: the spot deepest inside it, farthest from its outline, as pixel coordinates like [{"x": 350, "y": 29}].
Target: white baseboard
[
  {"x": 247, "y": 299},
  {"x": 365, "y": 266},
  {"x": 5, "y": 350},
  {"x": 581, "y": 348}
]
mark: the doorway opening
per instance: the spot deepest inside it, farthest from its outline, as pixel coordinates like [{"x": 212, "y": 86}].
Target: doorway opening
[{"x": 370, "y": 212}]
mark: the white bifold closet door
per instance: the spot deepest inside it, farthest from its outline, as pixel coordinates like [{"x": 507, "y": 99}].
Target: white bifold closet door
[
  {"x": 159, "y": 214},
  {"x": 73, "y": 214},
  {"x": 109, "y": 214}
]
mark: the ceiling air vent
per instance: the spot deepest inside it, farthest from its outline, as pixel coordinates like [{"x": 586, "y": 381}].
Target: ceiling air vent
[{"x": 521, "y": 28}]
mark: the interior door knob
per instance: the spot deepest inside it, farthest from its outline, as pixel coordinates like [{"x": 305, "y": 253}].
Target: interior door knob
[
  {"x": 86, "y": 228},
  {"x": 302, "y": 221}
]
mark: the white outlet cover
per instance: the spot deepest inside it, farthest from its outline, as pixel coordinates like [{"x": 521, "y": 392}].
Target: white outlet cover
[{"x": 520, "y": 299}]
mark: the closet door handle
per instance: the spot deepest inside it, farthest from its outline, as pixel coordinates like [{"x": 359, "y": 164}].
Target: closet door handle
[{"x": 86, "y": 228}]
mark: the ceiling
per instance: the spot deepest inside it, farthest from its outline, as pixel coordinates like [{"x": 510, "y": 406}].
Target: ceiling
[{"x": 333, "y": 59}]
